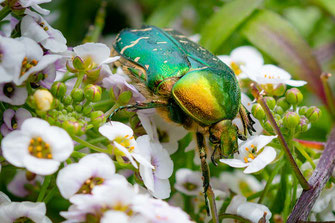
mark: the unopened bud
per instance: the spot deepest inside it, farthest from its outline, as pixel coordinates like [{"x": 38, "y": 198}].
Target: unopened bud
[
  {"x": 283, "y": 103},
  {"x": 303, "y": 110},
  {"x": 268, "y": 127},
  {"x": 98, "y": 118},
  {"x": 58, "y": 89},
  {"x": 291, "y": 120},
  {"x": 43, "y": 99},
  {"x": 67, "y": 100},
  {"x": 93, "y": 74},
  {"x": 279, "y": 90},
  {"x": 72, "y": 127},
  {"x": 92, "y": 92},
  {"x": 313, "y": 114},
  {"x": 271, "y": 102},
  {"x": 258, "y": 112},
  {"x": 278, "y": 110},
  {"x": 87, "y": 110},
  {"x": 303, "y": 124},
  {"x": 77, "y": 94},
  {"x": 294, "y": 96},
  {"x": 78, "y": 63}
]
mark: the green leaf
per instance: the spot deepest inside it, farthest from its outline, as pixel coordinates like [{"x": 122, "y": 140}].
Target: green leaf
[
  {"x": 276, "y": 37},
  {"x": 328, "y": 5},
  {"x": 164, "y": 15},
  {"x": 220, "y": 26}
]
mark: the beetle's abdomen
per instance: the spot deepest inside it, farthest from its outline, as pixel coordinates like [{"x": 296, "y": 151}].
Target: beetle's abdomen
[
  {"x": 153, "y": 50},
  {"x": 208, "y": 95}
]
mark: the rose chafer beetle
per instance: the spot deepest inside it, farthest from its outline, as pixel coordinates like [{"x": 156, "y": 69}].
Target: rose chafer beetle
[{"x": 188, "y": 85}]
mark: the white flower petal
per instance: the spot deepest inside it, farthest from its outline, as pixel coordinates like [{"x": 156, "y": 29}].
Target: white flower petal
[
  {"x": 295, "y": 83},
  {"x": 97, "y": 51},
  {"x": 162, "y": 188},
  {"x": 40, "y": 166},
  {"x": 147, "y": 177},
  {"x": 128, "y": 155},
  {"x": 263, "y": 159},
  {"x": 110, "y": 60},
  {"x": 253, "y": 212},
  {"x": 235, "y": 203},
  {"x": 234, "y": 163},
  {"x": 114, "y": 216},
  {"x": 112, "y": 129},
  {"x": 247, "y": 56}
]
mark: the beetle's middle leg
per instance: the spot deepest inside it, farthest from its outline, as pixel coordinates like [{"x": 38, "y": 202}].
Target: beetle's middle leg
[
  {"x": 246, "y": 120},
  {"x": 208, "y": 192},
  {"x": 139, "y": 105}
]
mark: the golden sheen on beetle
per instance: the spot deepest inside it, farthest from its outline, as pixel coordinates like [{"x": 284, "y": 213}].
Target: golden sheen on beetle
[{"x": 188, "y": 85}]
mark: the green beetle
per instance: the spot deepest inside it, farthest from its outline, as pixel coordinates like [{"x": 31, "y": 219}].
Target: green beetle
[{"x": 187, "y": 84}]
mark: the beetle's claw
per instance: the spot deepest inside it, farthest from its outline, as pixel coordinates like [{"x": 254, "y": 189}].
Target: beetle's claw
[
  {"x": 213, "y": 158},
  {"x": 241, "y": 136}
]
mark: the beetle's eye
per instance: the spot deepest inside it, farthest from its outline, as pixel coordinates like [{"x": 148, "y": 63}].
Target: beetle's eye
[{"x": 213, "y": 139}]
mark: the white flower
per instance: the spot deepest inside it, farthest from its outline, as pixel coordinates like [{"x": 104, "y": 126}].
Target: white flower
[
  {"x": 251, "y": 211},
  {"x": 12, "y": 53},
  {"x": 158, "y": 129},
  {"x": 12, "y": 94},
  {"x": 251, "y": 154},
  {"x": 123, "y": 143},
  {"x": 241, "y": 183},
  {"x": 157, "y": 179},
  {"x": 160, "y": 212},
  {"x": 188, "y": 182},
  {"x": 37, "y": 146},
  {"x": 35, "y": 5},
  {"x": 271, "y": 74},
  {"x": 244, "y": 56},
  {"x": 80, "y": 178},
  {"x": 21, "y": 211},
  {"x": 35, "y": 27},
  {"x": 17, "y": 185}
]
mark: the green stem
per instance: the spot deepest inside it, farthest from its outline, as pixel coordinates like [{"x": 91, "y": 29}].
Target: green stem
[
  {"x": 269, "y": 182},
  {"x": 4, "y": 12},
  {"x": 99, "y": 23},
  {"x": 2, "y": 107},
  {"x": 288, "y": 198},
  {"x": 67, "y": 77},
  {"x": 234, "y": 216},
  {"x": 80, "y": 77},
  {"x": 29, "y": 89},
  {"x": 329, "y": 95},
  {"x": 44, "y": 188},
  {"x": 305, "y": 154},
  {"x": 102, "y": 103},
  {"x": 259, "y": 193},
  {"x": 78, "y": 155},
  {"x": 303, "y": 182},
  {"x": 89, "y": 145},
  {"x": 212, "y": 205},
  {"x": 50, "y": 195},
  {"x": 91, "y": 141},
  {"x": 109, "y": 112}
]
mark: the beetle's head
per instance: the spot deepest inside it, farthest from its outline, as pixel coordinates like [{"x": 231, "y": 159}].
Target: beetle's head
[{"x": 223, "y": 135}]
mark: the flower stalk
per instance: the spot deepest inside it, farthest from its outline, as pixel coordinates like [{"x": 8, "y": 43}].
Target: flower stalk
[
  {"x": 234, "y": 216},
  {"x": 89, "y": 145},
  {"x": 329, "y": 95},
  {"x": 4, "y": 12},
  {"x": 44, "y": 188},
  {"x": 259, "y": 97}
]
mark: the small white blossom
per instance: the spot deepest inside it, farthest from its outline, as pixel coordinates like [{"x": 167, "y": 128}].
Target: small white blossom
[
  {"x": 80, "y": 178},
  {"x": 157, "y": 179},
  {"x": 36, "y": 27},
  {"x": 247, "y": 57},
  {"x": 251, "y": 211},
  {"x": 37, "y": 146},
  {"x": 188, "y": 182},
  {"x": 252, "y": 155},
  {"x": 271, "y": 74},
  {"x": 12, "y": 94},
  {"x": 21, "y": 211},
  {"x": 123, "y": 143},
  {"x": 35, "y": 5},
  {"x": 13, "y": 120}
]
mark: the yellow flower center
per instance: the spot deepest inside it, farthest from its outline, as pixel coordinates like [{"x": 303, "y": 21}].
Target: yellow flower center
[
  {"x": 251, "y": 153},
  {"x": 27, "y": 65},
  {"x": 39, "y": 148},
  {"x": 236, "y": 68},
  {"x": 89, "y": 184},
  {"x": 23, "y": 220},
  {"x": 119, "y": 206},
  {"x": 125, "y": 142},
  {"x": 190, "y": 186},
  {"x": 42, "y": 24},
  {"x": 8, "y": 90}
]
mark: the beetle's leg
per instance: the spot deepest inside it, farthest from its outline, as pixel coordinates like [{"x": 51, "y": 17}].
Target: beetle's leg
[
  {"x": 139, "y": 105},
  {"x": 206, "y": 177},
  {"x": 246, "y": 120}
]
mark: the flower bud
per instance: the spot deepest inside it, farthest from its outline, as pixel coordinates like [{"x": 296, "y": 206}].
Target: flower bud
[
  {"x": 125, "y": 97},
  {"x": 291, "y": 120},
  {"x": 93, "y": 74},
  {"x": 69, "y": 67},
  {"x": 98, "y": 118},
  {"x": 58, "y": 89},
  {"x": 279, "y": 90},
  {"x": 77, "y": 94},
  {"x": 72, "y": 127},
  {"x": 294, "y": 96},
  {"x": 69, "y": 108},
  {"x": 78, "y": 108},
  {"x": 92, "y": 92},
  {"x": 278, "y": 110},
  {"x": 283, "y": 103},
  {"x": 303, "y": 110},
  {"x": 313, "y": 114},
  {"x": 87, "y": 110},
  {"x": 268, "y": 127},
  {"x": 303, "y": 124},
  {"x": 271, "y": 102},
  {"x": 258, "y": 112},
  {"x": 67, "y": 100},
  {"x": 43, "y": 99},
  {"x": 78, "y": 63}
]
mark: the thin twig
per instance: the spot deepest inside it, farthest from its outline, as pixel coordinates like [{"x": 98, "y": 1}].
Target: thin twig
[{"x": 318, "y": 180}]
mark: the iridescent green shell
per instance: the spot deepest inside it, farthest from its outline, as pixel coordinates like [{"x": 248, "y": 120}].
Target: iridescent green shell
[{"x": 207, "y": 90}]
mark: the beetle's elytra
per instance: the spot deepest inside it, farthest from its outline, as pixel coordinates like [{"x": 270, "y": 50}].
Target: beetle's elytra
[{"x": 188, "y": 85}]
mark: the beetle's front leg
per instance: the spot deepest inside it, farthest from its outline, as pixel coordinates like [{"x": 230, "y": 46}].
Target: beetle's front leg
[
  {"x": 246, "y": 120},
  {"x": 206, "y": 177},
  {"x": 139, "y": 105}
]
